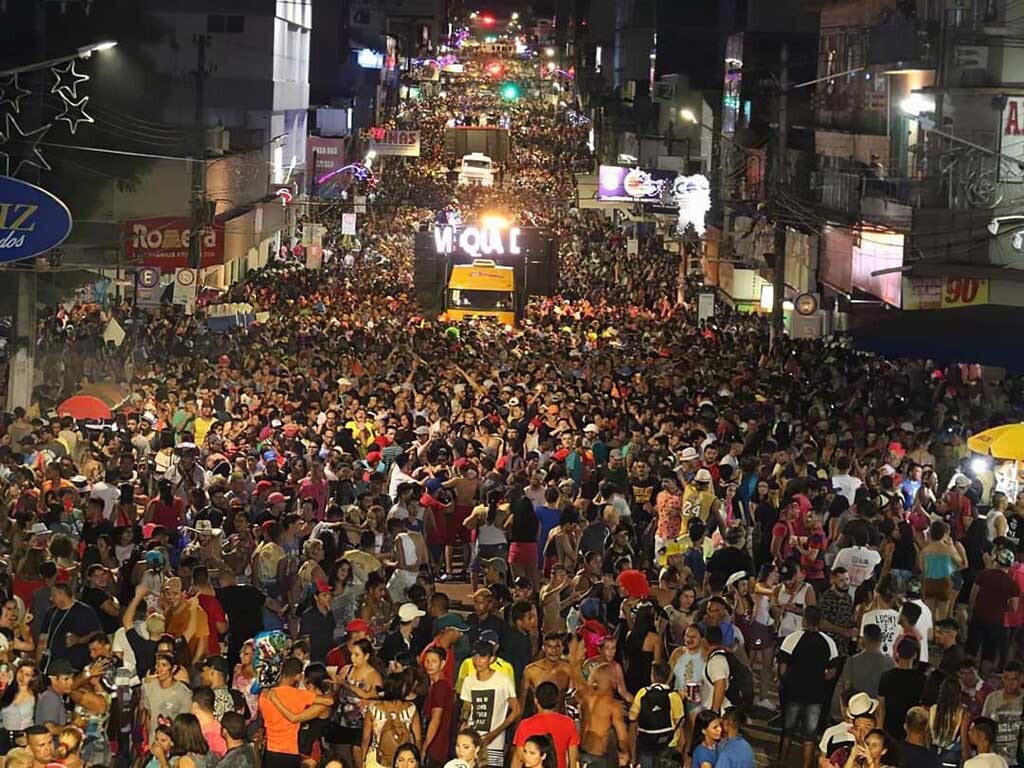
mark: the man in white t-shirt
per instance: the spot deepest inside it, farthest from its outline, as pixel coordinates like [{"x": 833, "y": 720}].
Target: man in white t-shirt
[
  {"x": 859, "y": 560},
  {"x": 489, "y": 704},
  {"x": 715, "y": 681},
  {"x": 107, "y": 492},
  {"x": 982, "y": 735},
  {"x": 843, "y": 482}
]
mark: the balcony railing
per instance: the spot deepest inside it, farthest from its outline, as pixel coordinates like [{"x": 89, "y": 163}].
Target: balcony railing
[{"x": 860, "y": 195}]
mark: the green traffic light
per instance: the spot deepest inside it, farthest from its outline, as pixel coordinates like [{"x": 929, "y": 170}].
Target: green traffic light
[{"x": 510, "y": 91}]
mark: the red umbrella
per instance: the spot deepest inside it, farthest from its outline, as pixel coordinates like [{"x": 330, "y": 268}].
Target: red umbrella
[{"x": 83, "y": 407}]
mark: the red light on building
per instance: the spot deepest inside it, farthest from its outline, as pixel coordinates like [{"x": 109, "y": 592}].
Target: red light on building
[
  {"x": 487, "y": 21},
  {"x": 495, "y": 69}
]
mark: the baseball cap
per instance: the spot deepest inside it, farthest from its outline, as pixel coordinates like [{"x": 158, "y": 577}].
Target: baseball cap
[
  {"x": 483, "y": 591},
  {"x": 861, "y": 704},
  {"x": 357, "y": 625},
  {"x": 421, "y": 430},
  {"x": 489, "y": 636},
  {"x": 591, "y": 429},
  {"x": 408, "y": 612},
  {"x": 787, "y": 570},
  {"x": 276, "y": 498},
  {"x": 218, "y": 663},
  {"x": 450, "y": 621},
  {"x": 323, "y": 586},
  {"x": 1005, "y": 557},
  {"x": 60, "y": 667},
  {"x": 154, "y": 557},
  {"x": 263, "y": 485},
  {"x": 521, "y": 582}
]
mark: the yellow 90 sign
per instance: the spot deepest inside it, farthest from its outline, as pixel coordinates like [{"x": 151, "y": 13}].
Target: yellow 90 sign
[{"x": 964, "y": 292}]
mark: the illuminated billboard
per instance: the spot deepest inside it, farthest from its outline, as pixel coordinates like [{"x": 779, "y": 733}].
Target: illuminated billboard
[{"x": 616, "y": 182}]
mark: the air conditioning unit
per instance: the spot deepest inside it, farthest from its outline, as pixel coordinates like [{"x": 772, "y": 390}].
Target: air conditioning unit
[{"x": 218, "y": 140}]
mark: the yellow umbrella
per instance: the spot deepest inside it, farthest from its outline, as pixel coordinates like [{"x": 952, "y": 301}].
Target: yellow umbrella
[{"x": 1005, "y": 442}]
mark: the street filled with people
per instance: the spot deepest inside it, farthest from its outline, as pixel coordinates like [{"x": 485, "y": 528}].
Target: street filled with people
[{"x": 357, "y": 534}]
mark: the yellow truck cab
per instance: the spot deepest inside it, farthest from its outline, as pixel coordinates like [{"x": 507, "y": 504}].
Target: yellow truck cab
[{"x": 481, "y": 290}]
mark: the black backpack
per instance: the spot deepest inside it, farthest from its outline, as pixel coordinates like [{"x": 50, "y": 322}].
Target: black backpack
[
  {"x": 654, "y": 723},
  {"x": 740, "y": 688}
]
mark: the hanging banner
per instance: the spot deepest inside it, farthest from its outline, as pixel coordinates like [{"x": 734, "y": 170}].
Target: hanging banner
[
  {"x": 348, "y": 223},
  {"x": 360, "y": 204},
  {"x": 1012, "y": 140},
  {"x": 396, "y": 143},
  {"x": 705, "y": 306},
  {"x": 185, "y": 286},
  {"x": 162, "y": 242},
  {"x": 313, "y": 244}
]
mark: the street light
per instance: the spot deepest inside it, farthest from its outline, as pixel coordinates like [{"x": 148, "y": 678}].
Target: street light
[
  {"x": 88, "y": 50},
  {"x": 82, "y": 53},
  {"x": 916, "y": 104},
  {"x": 549, "y": 52},
  {"x": 688, "y": 116}
]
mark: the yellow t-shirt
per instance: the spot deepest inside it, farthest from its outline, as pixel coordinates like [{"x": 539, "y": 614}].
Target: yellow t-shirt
[
  {"x": 499, "y": 665},
  {"x": 676, "y": 703},
  {"x": 201, "y": 428}
]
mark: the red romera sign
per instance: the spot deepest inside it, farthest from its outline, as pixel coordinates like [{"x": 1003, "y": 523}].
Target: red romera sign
[{"x": 163, "y": 242}]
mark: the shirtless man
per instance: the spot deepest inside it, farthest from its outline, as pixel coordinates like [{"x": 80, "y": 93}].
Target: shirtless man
[
  {"x": 555, "y": 596},
  {"x": 601, "y": 712},
  {"x": 551, "y": 668},
  {"x": 465, "y": 486}
]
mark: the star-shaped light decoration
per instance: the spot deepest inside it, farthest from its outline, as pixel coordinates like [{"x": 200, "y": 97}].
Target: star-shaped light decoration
[
  {"x": 66, "y": 81},
  {"x": 23, "y": 147},
  {"x": 74, "y": 113},
  {"x": 11, "y": 94}
]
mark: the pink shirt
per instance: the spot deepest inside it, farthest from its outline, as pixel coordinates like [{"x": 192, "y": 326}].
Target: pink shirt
[
  {"x": 215, "y": 739},
  {"x": 318, "y": 492}
]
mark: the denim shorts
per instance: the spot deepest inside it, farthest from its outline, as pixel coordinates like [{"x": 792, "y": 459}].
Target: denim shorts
[{"x": 801, "y": 720}]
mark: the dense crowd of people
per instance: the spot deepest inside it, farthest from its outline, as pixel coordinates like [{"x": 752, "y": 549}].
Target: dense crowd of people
[{"x": 666, "y": 527}]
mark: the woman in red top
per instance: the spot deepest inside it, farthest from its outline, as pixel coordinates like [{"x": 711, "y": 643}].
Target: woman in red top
[
  {"x": 167, "y": 509},
  {"x": 27, "y": 580}
]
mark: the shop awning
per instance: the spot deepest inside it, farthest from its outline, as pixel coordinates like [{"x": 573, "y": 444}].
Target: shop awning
[{"x": 987, "y": 335}]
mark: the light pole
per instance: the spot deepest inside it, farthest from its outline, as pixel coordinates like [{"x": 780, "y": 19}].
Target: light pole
[{"x": 82, "y": 53}]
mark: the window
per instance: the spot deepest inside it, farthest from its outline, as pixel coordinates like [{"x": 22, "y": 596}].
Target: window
[
  {"x": 218, "y": 23},
  {"x": 462, "y": 298}
]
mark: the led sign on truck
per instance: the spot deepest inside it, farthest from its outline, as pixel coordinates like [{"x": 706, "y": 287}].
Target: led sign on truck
[{"x": 477, "y": 241}]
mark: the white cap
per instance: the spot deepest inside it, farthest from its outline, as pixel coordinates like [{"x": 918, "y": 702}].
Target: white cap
[
  {"x": 591, "y": 428},
  {"x": 408, "y": 612},
  {"x": 702, "y": 476}
]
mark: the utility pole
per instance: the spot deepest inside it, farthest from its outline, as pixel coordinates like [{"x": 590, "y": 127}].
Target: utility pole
[
  {"x": 198, "y": 202},
  {"x": 779, "y": 276}
]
